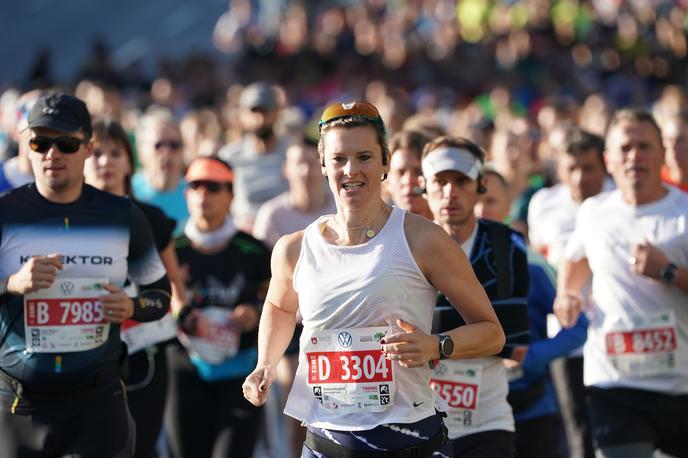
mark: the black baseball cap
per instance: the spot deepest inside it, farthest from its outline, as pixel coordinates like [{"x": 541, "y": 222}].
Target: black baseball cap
[{"x": 62, "y": 112}]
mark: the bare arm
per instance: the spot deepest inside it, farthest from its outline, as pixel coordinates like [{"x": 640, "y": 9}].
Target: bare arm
[
  {"x": 571, "y": 278},
  {"x": 649, "y": 260},
  {"x": 446, "y": 267},
  {"x": 278, "y": 319}
]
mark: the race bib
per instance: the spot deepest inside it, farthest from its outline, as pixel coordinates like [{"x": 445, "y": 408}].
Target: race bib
[
  {"x": 138, "y": 336},
  {"x": 214, "y": 337},
  {"x": 347, "y": 370},
  {"x": 67, "y": 317},
  {"x": 647, "y": 348},
  {"x": 458, "y": 383}
]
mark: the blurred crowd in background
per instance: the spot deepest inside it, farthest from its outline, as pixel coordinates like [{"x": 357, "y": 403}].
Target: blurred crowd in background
[
  {"x": 470, "y": 67},
  {"x": 510, "y": 75}
]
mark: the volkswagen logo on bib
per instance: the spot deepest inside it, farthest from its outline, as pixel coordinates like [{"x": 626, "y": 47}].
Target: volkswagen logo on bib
[
  {"x": 67, "y": 287},
  {"x": 344, "y": 339}
]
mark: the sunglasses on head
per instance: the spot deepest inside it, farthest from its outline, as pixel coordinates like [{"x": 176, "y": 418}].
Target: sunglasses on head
[
  {"x": 210, "y": 186},
  {"x": 171, "y": 144},
  {"x": 67, "y": 145},
  {"x": 363, "y": 110}
]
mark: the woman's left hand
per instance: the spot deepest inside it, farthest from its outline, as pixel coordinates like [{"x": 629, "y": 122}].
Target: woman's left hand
[{"x": 412, "y": 348}]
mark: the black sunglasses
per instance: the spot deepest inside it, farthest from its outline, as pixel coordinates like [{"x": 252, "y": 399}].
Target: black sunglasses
[
  {"x": 171, "y": 144},
  {"x": 67, "y": 145},
  {"x": 211, "y": 186}
]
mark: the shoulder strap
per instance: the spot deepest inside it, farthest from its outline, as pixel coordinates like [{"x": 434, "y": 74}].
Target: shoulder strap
[{"x": 500, "y": 239}]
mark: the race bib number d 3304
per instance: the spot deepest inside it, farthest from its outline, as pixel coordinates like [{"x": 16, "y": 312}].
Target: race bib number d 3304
[
  {"x": 347, "y": 370},
  {"x": 67, "y": 317},
  {"x": 646, "y": 348},
  {"x": 458, "y": 384}
]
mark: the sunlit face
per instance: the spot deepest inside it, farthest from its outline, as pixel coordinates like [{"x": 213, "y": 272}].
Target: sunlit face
[
  {"x": 452, "y": 196},
  {"x": 109, "y": 165},
  {"x": 675, "y": 135},
  {"x": 404, "y": 182},
  {"x": 353, "y": 164},
  {"x": 494, "y": 204},
  {"x": 161, "y": 151},
  {"x": 302, "y": 167},
  {"x": 582, "y": 173},
  {"x": 635, "y": 157},
  {"x": 54, "y": 170},
  {"x": 206, "y": 203},
  {"x": 258, "y": 120}
]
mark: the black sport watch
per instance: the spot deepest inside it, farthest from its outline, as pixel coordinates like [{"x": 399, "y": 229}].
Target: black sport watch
[
  {"x": 446, "y": 346},
  {"x": 668, "y": 274}
]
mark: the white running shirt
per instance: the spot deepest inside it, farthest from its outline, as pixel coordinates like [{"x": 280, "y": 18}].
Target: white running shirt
[
  {"x": 638, "y": 335},
  {"x": 348, "y": 287}
]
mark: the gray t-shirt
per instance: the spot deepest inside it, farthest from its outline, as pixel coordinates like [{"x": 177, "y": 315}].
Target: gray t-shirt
[
  {"x": 258, "y": 177},
  {"x": 277, "y": 217}
]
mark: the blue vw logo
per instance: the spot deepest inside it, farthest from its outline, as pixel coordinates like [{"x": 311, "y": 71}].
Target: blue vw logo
[
  {"x": 345, "y": 339},
  {"x": 67, "y": 287}
]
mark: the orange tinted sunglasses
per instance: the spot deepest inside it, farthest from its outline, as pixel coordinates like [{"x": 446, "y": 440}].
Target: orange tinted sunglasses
[{"x": 359, "y": 109}]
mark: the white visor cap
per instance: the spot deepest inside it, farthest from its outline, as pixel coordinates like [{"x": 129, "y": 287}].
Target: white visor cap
[{"x": 450, "y": 158}]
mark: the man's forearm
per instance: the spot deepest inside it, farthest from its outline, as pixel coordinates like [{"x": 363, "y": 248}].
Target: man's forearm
[{"x": 573, "y": 275}]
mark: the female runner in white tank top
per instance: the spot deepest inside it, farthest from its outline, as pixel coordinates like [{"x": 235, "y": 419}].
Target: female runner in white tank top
[{"x": 365, "y": 281}]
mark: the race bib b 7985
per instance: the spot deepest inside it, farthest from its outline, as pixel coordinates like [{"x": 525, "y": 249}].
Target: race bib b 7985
[{"x": 67, "y": 317}]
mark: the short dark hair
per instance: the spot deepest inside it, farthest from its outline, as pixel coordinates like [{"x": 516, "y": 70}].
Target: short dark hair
[
  {"x": 579, "y": 141},
  {"x": 454, "y": 142},
  {"x": 412, "y": 140},
  {"x": 634, "y": 115}
]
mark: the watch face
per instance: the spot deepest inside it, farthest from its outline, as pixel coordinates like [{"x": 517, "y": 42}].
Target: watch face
[
  {"x": 447, "y": 346},
  {"x": 668, "y": 274}
]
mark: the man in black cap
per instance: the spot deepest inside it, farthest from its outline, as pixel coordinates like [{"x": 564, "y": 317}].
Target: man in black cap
[
  {"x": 65, "y": 251},
  {"x": 257, "y": 157}
]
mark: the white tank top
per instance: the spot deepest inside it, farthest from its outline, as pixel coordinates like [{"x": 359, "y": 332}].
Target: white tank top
[{"x": 372, "y": 284}]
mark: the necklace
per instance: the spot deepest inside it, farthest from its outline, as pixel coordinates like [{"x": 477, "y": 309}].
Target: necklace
[{"x": 370, "y": 233}]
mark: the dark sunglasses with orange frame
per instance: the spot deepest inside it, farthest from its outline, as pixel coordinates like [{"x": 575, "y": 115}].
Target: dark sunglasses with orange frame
[{"x": 358, "y": 109}]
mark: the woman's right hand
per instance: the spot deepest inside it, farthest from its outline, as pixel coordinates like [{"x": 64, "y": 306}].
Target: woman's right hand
[{"x": 257, "y": 385}]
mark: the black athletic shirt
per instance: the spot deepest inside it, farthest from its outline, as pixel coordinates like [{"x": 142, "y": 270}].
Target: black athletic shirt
[
  {"x": 161, "y": 225},
  {"x": 100, "y": 235},
  {"x": 228, "y": 278},
  {"x": 512, "y": 308}
]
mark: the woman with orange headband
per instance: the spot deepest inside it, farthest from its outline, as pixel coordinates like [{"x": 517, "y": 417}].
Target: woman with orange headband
[
  {"x": 227, "y": 274},
  {"x": 365, "y": 281}
]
